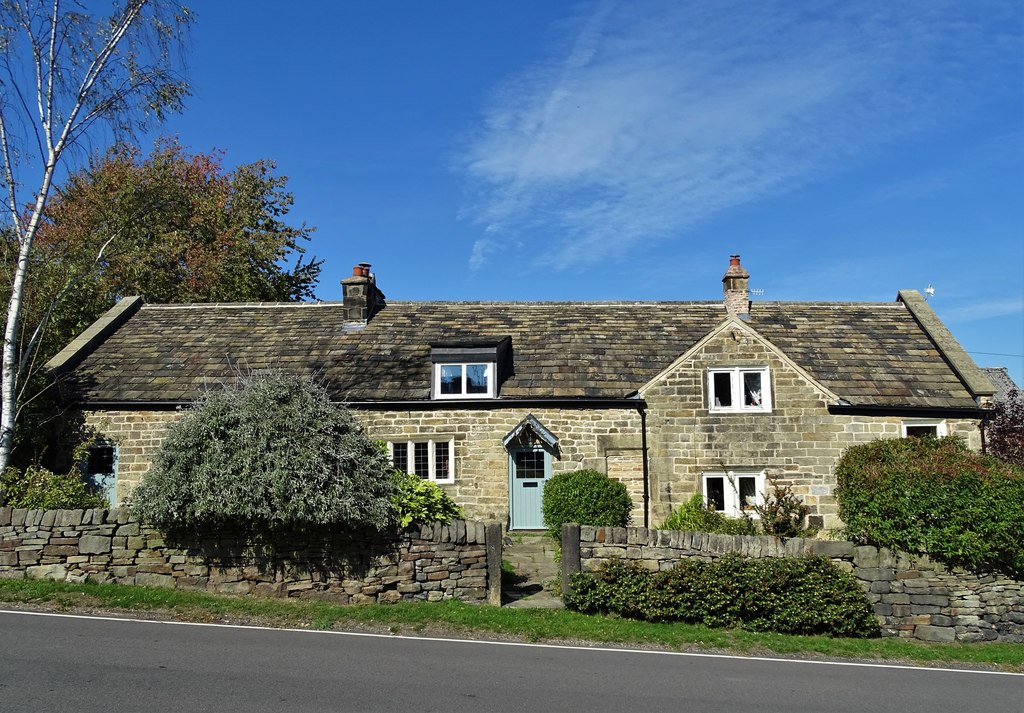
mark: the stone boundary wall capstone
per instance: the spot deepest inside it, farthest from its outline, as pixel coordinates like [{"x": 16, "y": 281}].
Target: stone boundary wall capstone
[
  {"x": 460, "y": 560},
  {"x": 912, "y": 596}
]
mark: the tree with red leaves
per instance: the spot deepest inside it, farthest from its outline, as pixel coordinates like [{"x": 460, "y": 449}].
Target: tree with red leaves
[
  {"x": 172, "y": 226},
  {"x": 1005, "y": 429}
]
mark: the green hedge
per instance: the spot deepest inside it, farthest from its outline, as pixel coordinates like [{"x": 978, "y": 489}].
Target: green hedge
[
  {"x": 585, "y": 497},
  {"x": 934, "y": 496},
  {"x": 792, "y": 596}
]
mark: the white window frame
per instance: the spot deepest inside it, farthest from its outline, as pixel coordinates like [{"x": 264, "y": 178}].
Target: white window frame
[
  {"x": 411, "y": 459},
  {"x": 489, "y": 394},
  {"x": 941, "y": 429},
  {"x": 736, "y": 383},
  {"x": 731, "y": 490}
]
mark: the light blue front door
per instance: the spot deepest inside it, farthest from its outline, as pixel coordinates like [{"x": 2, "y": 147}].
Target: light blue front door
[
  {"x": 529, "y": 469},
  {"x": 100, "y": 470}
]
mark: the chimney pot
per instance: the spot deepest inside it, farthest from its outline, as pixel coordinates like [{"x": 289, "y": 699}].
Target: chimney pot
[
  {"x": 361, "y": 297},
  {"x": 735, "y": 283}
]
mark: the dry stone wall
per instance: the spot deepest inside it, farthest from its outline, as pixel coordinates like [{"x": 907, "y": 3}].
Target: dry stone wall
[
  {"x": 912, "y": 596},
  {"x": 460, "y": 560}
]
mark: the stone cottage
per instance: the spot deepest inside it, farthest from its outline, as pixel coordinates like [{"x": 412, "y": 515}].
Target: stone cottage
[{"x": 489, "y": 399}]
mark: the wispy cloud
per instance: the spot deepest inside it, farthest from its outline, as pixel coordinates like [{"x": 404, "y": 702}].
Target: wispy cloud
[{"x": 658, "y": 116}]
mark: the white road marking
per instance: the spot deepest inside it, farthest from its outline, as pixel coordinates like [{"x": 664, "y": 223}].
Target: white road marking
[{"x": 566, "y": 647}]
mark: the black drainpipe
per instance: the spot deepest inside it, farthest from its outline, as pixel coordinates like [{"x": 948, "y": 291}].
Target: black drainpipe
[
  {"x": 647, "y": 474},
  {"x": 981, "y": 427}
]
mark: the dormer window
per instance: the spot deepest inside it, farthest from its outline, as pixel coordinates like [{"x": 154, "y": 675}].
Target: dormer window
[
  {"x": 739, "y": 389},
  {"x": 464, "y": 381},
  {"x": 470, "y": 370}
]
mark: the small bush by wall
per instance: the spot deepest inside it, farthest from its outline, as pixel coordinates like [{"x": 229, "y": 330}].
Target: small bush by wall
[
  {"x": 696, "y": 515},
  {"x": 934, "y": 496},
  {"x": 40, "y": 489},
  {"x": 782, "y": 514},
  {"x": 420, "y": 502},
  {"x": 587, "y": 497},
  {"x": 791, "y": 596}
]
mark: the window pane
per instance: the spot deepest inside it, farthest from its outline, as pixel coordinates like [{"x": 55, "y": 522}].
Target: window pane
[
  {"x": 715, "y": 494},
  {"x": 748, "y": 492},
  {"x": 922, "y": 431},
  {"x": 752, "y": 392},
  {"x": 529, "y": 464},
  {"x": 442, "y": 460},
  {"x": 421, "y": 459},
  {"x": 476, "y": 378},
  {"x": 101, "y": 460},
  {"x": 451, "y": 379},
  {"x": 400, "y": 456},
  {"x": 723, "y": 389}
]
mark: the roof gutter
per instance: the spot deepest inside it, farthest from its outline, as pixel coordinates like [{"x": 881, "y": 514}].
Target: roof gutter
[
  {"x": 407, "y": 405},
  {"x": 911, "y": 411},
  {"x": 485, "y": 404}
]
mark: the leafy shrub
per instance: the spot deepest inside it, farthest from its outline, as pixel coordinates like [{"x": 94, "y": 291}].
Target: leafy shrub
[
  {"x": 699, "y": 516},
  {"x": 783, "y": 513},
  {"x": 585, "y": 497},
  {"x": 934, "y": 496},
  {"x": 793, "y": 596},
  {"x": 269, "y": 450},
  {"x": 40, "y": 489},
  {"x": 419, "y": 502}
]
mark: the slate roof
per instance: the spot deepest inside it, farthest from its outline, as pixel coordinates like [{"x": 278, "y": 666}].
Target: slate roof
[
  {"x": 1002, "y": 381},
  {"x": 867, "y": 353}
]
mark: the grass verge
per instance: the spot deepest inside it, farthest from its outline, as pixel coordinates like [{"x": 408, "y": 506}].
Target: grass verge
[{"x": 457, "y": 619}]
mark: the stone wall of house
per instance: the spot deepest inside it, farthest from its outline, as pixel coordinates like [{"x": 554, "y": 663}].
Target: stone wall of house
[
  {"x": 606, "y": 440},
  {"x": 912, "y": 596},
  {"x": 461, "y": 560},
  {"x": 798, "y": 442},
  {"x": 587, "y": 439},
  {"x": 138, "y": 436}
]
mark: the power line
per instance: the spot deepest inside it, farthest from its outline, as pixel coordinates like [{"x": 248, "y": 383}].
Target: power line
[{"x": 1018, "y": 356}]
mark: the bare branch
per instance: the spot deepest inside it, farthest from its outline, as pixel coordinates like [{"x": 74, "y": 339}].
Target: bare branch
[
  {"x": 29, "y": 349},
  {"x": 12, "y": 195}
]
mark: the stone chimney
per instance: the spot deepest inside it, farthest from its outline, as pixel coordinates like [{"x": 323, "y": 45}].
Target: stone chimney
[
  {"x": 737, "y": 292},
  {"x": 361, "y": 297}
]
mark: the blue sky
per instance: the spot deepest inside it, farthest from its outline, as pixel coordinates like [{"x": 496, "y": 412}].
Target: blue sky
[{"x": 623, "y": 150}]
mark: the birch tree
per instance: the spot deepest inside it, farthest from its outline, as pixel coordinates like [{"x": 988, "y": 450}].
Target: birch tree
[{"x": 68, "y": 76}]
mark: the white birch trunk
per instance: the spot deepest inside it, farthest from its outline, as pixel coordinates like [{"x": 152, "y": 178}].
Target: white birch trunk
[{"x": 84, "y": 109}]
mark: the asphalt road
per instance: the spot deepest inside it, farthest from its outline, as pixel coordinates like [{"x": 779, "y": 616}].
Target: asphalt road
[{"x": 59, "y": 663}]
